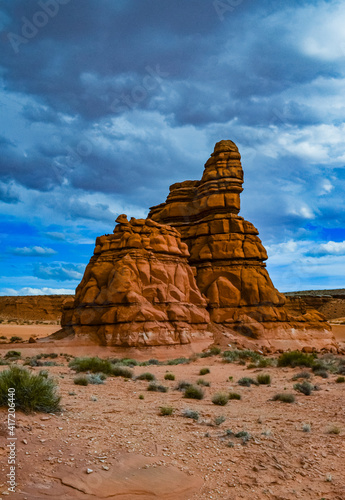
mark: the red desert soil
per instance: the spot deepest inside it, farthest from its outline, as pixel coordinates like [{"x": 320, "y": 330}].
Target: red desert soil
[{"x": 134, "y": 453}]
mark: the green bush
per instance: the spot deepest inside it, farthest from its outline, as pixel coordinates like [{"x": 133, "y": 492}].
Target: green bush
[
  {"x": 94, "y": 365},
  {"x": 340, "y": 380},
  {"x": 203, "y": 382},
  {"x": 247, "y": 382},
  {"x": 166, "y": 410},
  {"x": 301, "y": 375},
  {"x": 146, "y": 376},
  {"x": 219, "y": 420},
  {"x": 264, "y": 378},
  {"x": 32, "y": 392},
  {"x": 153, "y": 362},
  {"x": 204, "y": 371},
  {"x": 121, "y": 371},
  {"x": 169, "y": 376},
  {"x": 81, "y": 380},
  {"x": 178, "y": 361},
  {"x": 234, "y": 395},
  {"x": 245, "y": 354},
  {"x": 193, "y": 392},
  {"x": 154, "y": 387},
  {"x": 44, "y": 373},
  {"x": 214, "y": 351},
  {"x": 304, "y": 388},
  {"x": 182, "y": 385},
  {"x": 12, "y": 354},
  {"x": 284, "y": 397},
  {"x": 96, "y": 378},
  {"x": 296, "y": 358},
  {"x": 220, "y": 398},
  {"x": 321, "y": 373},
  {"x": 191, "y": 414},
  {"x": 16, "y": 339}
]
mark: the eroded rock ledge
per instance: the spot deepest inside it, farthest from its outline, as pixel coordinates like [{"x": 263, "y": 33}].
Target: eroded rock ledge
[{"x": 194, "y": 266}]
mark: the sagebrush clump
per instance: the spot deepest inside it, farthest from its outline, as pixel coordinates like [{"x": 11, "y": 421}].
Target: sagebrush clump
[{"x": 32, "y": 392}]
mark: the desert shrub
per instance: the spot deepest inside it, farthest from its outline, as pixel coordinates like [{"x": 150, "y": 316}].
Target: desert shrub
[
  {"x": 219, "y": 420},
  {"x": 166, "y": 410},
  {"x": 193, "y": 392},
  {"x": 154, "y": 387},
  {"x": 321, "y": 373},
  {"x": 146, "y": 376},
  {"x": 263, "y": 378},
  {"x": 296, "y": 358},
  {"x": 190, "y": 414},
  {"x": 304, "y": 388},
  {"x": 32, "y": 392},
  {"x": 96, "y": 378},
  {"x": 44, "y": 373},
  {"x": 178, "y": 361},
  {"x": 265, "y": 362},
  {"x": 48, "y": 363},
  {"x": 220, "y": 398},
  {"x": 128, "y": 362},
  {"x": 213, "y": 351},
  {"x": 94, "y": 365},
  {"x": 141, "y": 396},
  {"x": 182, "y": 385},
  {"x": 169, "y": 376},
  {"x": 121, "y": 371},
  {"x": 12, "y": 354},
  {"x": 340, "y": 380},
  {"x": 204, "y": 371},
  {"x": 234, "y": 395},
  {"x": 247, "y": 382},
  {"x": 153, "y": 362},
  {"x": 301, "y": 375},
  {"x": 4, "y": 362},
  {"x": 333, "y": 429},
  {"x": 306, "y": 427},
  {"x": 285, "y": 397},
  {"x": 244, "y": 435},
  {"x": 203, "y": 382},
  {"x": 236, "y": 355},
  {"x": 48, "y": 355},
  {"x": 15, "y": 338},
  {"x": 81, "y": 380},
  {"x": 3, "y": 337}
]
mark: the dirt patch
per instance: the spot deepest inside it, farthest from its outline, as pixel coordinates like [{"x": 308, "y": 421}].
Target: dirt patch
[{"x": 134, "y": 452}]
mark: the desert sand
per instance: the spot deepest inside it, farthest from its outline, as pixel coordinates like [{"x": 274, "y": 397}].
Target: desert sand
[{"x": 134, "y": 452}]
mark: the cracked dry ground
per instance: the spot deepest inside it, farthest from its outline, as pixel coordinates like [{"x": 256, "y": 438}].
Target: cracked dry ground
[{"x": 134, "y": 452}]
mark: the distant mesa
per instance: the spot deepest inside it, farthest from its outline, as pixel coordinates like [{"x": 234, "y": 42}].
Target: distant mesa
[{"x": 193, "y": 270}]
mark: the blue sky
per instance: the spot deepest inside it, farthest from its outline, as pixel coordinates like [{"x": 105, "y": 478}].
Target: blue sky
[{"x": 104, "y": 104}]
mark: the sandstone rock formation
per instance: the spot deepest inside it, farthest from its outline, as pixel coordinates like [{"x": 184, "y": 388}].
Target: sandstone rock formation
[
  {"x": 40, "y": 308},
  {"x": 230, "y": 258},
  {"x": 138, "y": 289}
]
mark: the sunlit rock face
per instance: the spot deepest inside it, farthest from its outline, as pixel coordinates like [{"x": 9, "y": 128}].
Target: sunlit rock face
[
  {"x": 230, "y": 259},
  {"x": 138, "y": 289},
  {"x": 194, "y": 266}
]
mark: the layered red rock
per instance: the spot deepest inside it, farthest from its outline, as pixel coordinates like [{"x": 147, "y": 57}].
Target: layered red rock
[
  {"x": 138, "y": 290},
  {"x": 230, "y": 259}
]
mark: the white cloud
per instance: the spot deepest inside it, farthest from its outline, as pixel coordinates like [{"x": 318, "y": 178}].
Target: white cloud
[
  {"x": 33, "y": 251},
  {"x": 36, "y": 291}
]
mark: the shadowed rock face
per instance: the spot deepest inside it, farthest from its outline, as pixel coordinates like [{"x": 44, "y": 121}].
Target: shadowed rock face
[
  {"x": 139, "y": 287},
  {"x": 230, "y": 258}
]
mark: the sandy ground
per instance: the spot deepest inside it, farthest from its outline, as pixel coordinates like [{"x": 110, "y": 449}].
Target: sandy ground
[
  {"x": 134, "y": 453},
  {"x": 27, "y": 331}
]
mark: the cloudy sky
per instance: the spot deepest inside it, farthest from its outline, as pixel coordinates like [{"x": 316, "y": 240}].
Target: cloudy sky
[{"x": 104, "y": 104}]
